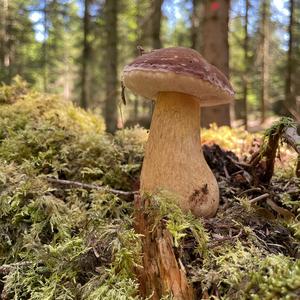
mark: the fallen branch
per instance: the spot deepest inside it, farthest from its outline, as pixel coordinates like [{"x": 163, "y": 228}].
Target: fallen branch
[
  {"x": 216, "y": 242},
  {"x": 240, "y": 163},
  {"x": 89, "y": 186},
  {"x": 254, "y": 189},
  {"x": 259, "y": 198}
]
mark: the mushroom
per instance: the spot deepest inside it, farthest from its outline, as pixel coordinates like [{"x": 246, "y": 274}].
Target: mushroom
[{"x": 180, "y": 80}]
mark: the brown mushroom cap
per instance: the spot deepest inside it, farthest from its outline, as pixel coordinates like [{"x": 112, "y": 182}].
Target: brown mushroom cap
[{"x": 177, "y": 69}]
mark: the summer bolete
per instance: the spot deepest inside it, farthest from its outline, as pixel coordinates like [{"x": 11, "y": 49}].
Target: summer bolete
[{"x": 180, "y": 80}]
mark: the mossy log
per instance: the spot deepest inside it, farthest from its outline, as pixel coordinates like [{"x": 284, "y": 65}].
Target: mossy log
[{"x": 162, "y": 273}]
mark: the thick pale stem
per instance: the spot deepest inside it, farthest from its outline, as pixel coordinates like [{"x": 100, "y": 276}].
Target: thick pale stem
[{"x": 174, "y": 160}]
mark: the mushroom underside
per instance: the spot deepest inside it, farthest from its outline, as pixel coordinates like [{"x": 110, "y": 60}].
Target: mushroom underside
[{"x": 149, "y": 83}]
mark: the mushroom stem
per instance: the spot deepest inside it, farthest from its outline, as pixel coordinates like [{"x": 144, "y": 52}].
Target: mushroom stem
[{"x": 173, "y": 158}]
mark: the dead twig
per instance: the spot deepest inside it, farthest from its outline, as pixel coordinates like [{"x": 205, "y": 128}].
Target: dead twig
[
  {"x": 240, "y": 163},
  {"x": 259, "y": 198},
  {"x": 255, "y": 159},
  {"x": 89, "y": 186},
  {"x": 254, "y": 189},
  {"x": 238, "y": 172},
  {"x": 230, "y": 238},
  {"x": 226, "y": 172},
  {"x": 141, "y": 50},
  {"x": 123, "y": 96}
]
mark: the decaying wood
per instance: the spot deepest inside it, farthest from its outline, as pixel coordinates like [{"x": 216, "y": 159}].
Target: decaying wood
[
  {"x": 286, "y": 133},
  {"x": 162, "y": 273},
  {"x": 269, "y": 152},
  {"x": 292, "y": 138}
]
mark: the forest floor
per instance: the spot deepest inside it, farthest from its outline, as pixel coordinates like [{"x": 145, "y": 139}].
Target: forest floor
[{"x": 66, "y": 206}]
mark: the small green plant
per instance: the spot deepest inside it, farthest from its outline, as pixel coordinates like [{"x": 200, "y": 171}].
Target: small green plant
[{"x": 180, "y": 224}]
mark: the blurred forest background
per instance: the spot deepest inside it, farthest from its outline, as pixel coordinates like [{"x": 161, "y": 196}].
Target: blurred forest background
[{"x": 77, "y": 48}]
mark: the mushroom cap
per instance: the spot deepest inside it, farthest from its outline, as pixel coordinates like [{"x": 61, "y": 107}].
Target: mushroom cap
[{"x": 177, "y": 69}]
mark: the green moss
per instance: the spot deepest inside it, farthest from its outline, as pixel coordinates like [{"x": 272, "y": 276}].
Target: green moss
[
  {"x": 240, "y": 272},
  {"x": 76, "y": 242},
  {"x": 59, "y": 139},
  {"x": 71, "y": 239},
  {"x": 283, "y": 122},
  {"x": 111, "y": 289},
  {"x": 11, "y": 93},
  {"x": 178, "y": 223},
  {"x": 80, "y": 244},
  {"x": 277, "y": 277}
]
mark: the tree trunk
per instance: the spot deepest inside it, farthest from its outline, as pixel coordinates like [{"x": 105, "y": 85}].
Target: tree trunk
[
  {"x": 290, "y": 102},
  {"x": 156, "y": 23},
  {"x": 156, "y": 18},
  {"x": 162, "y": 273},
  {"x": 85, "y": 55},
  {"x": 196, "y": 21},
  {"x": 139, "y": 19},
  {"x": 216, "y": 51},
  {"x": 5, "y": 30},
  {"x": 3, "y": 35},
  {"x": 265, "y": 58},
  {"x": 44, "y": 47},
  {"x": 111, "y": 14},
  {"x": 246, "y": 62}
]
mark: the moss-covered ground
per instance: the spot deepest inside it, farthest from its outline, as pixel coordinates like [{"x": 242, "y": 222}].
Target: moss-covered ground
[{"x": 72, "y": 242}]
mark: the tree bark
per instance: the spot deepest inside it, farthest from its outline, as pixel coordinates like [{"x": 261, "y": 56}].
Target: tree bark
[
  {"x": 216, "y": 51},
  {"x": 156, "y": 24},
  {"x": 246, "y": 62},
  {"x": 265, "y": 58},
  {"x": 196, "y": 21},
  {"x": 290, "y": 102},
  {"x": 44, "y": 47},
  {"x": 136, "y": 52},
  {"x": 5, "y": 40},
  {"x": 85, "y": 55},
  {"x": 3, "y": 34},
  {"x": 111, "y": 23}
]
